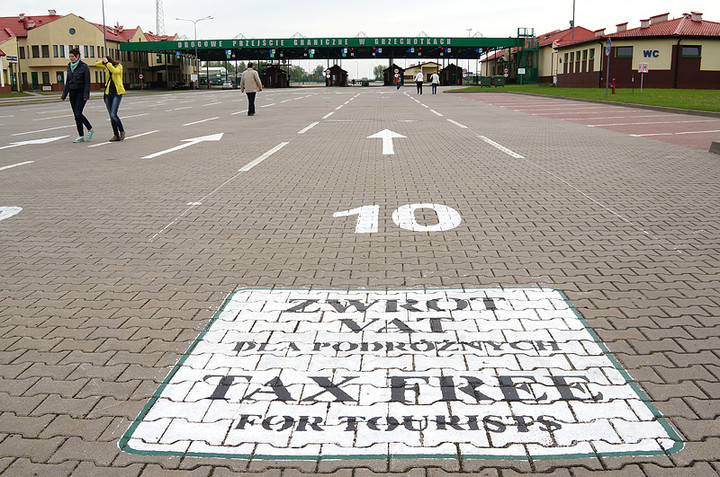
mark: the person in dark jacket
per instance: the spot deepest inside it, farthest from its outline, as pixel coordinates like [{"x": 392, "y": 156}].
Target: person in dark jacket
[{"x": 77, "y": 86}]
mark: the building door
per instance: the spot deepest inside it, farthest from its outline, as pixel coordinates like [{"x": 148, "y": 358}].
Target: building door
[{"x": 35, "y": 80}]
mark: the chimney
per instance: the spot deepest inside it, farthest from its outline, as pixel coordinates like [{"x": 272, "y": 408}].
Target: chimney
[
  {"x": 659, "y": 18},
  {"x": 621, "y": 27},
  {"x": 599, "y": 33},
  {"x": 52, "y": 12},
  {"x": 21, "y": 17},
  {"x": 696, "y": 16},
  {"x": 644, "y": 23}
]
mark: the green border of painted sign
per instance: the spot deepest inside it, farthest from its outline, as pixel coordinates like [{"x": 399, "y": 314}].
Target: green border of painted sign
[{"x": 124, "y": 446}]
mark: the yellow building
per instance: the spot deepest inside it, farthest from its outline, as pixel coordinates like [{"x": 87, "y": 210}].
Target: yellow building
[
  {"x": 427, "y": 68},
  {"x": 34, "y": 53},
  {"x": 682, "y": 52}
]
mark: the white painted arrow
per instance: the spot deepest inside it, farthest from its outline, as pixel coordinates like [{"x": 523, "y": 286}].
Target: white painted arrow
[
  {"x": 33, "y": 141},
  {"x": 7, "y": 212},
  {"x": 387, "y": 136},
  {"x": 188, "y": 142}
]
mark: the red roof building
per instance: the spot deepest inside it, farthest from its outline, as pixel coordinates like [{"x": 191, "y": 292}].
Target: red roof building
[
  {"x": 681, "y": 52},
  {"x": 41, "y": 44}
]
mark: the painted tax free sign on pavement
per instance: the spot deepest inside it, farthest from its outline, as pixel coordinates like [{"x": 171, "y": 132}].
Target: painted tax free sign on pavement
[{"x": 481, "y": 373}]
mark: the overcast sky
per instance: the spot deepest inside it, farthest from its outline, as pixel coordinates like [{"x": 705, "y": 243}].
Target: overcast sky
[{"x": 323, "y": 18}]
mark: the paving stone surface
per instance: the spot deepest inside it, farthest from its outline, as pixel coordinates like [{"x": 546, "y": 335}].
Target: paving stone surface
[{"x": 487, "y": 292}]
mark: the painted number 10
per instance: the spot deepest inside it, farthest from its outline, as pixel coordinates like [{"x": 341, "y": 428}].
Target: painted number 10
[{"x": 404, "y": 217}]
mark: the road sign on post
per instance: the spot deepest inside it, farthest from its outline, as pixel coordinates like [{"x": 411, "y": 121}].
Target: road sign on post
[
  {"x": 642, "y": 69},
  {"x": 608, "y": 48}
]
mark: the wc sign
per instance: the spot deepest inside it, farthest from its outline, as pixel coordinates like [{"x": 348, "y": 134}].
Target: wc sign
[{"x": 486, "y": 373}]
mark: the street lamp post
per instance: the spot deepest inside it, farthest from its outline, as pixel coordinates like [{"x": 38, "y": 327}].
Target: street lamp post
[{"x": 195, "y": 22}]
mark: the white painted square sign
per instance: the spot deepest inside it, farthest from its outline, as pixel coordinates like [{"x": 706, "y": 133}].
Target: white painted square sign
[{"x": 496, "y": 373}]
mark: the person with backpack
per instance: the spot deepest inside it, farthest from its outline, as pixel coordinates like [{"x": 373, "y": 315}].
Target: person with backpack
[
  {"x": 77, "y": 85},
  {"x": 114, "y": 90}
]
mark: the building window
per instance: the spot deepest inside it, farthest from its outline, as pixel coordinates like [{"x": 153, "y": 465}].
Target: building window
[
  {"x": 35, "y": 51},
  {"x": 62, "y": 51},
  {"x": 585, "y": 55},
  {"x": 592, "y": 53},
  {"x": 46, "y": 51},
  {"x": 92, "y": 51},
  {"x": 577, "y": 58},
  {"x": 46, "y": 77},
  {"x": 85, "y": 50},
  {"x": 693, "y": 51},
  {"x": 55, "y": 51},
  {"x": 158, "y": 58},
  {"x": 572, "y": 57},
  {"x": 623, "y": 52},
  {"x": 21, "y": 50}
]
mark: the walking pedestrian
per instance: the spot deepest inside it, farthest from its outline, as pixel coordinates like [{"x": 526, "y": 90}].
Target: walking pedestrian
[
  {"x": 77, "y": 86},
  {"x": 114, "y": 90},
  {"x": 419, "y": 81},
  {"x": 398, "y": 80},
  {"x": 434, "y": 81},
  {"x": 250, "y": 83}
]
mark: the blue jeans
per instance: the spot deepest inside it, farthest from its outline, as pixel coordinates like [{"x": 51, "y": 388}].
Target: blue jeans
[
  {"x": 112, "y": 102},
  {"x": 251, "y": 103},
  {"x": 77, "y": 103}
]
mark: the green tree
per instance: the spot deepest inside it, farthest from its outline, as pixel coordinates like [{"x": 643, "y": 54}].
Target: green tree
[
  {"x": 318, "y": 74},
  {"x": 378, "y": 71},
  {"x": 298, "y": 73}
]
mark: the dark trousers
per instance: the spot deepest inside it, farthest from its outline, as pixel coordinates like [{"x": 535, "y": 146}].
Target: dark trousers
[
  {"x": 77, "y": 103},
  {"x": 251, "y": 103},
  {"x": 112, "y": 103},
  {"x": 419, "y": 86},
  {"x": 434, "y": 88}
]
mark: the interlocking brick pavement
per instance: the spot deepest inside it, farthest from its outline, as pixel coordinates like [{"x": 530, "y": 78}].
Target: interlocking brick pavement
[{"x": 109, "y": 275}]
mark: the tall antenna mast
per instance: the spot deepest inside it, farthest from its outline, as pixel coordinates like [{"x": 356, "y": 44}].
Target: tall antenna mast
[{"x": 159, "y": 18}]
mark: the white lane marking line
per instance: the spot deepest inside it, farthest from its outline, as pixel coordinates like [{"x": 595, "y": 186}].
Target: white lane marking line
[
  {"x": 617, "y": 117},
  {"x": 135, "y": 116},
  {"x": 202, "y": 121},
  {"x": 238, "y": 112},
  {"x": 338, "y": 107},
  {"x": 675, "y": 133},
  {"x": 502, "y": 148},
  {"x": 15, "y": 165},
  {"x": 546, "y": 171},
  {"x": 307, "y": 128},
  {"x": 268, "y": 105},
  {"x": 458, "y": 124},
  {"x": 257, "y": 161},
  {"x": 197, "y": 203},
  {"x": 651, "y": 122},
  {"x": 42, "y": 130},
  {"x": 328, "y": 115},
  {"x": 435, "y": 112},
  {"x": 129, "y": 137},
  {"x": 54, "y": 117}
]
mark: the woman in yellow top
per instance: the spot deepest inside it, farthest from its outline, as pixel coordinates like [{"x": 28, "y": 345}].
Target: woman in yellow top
[{"x": 114, "y": 90}]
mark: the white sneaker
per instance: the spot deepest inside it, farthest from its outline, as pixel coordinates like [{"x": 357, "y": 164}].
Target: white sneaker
[{"x": 80, "y": 139}]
